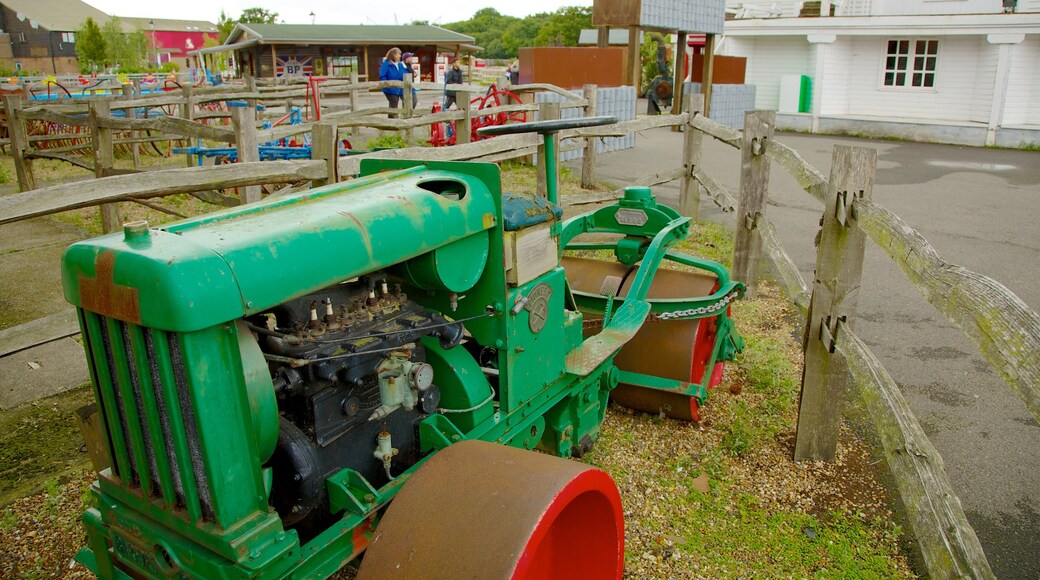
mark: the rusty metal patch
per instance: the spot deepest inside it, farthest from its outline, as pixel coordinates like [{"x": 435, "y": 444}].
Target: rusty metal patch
[{"x": 102, "y": 295}]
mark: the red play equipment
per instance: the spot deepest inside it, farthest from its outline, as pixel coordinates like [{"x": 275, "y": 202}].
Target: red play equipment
[{"x": 442, "y": 134}]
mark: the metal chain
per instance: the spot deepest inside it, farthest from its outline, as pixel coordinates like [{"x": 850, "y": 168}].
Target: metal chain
[{"x": 701, "y": 311}]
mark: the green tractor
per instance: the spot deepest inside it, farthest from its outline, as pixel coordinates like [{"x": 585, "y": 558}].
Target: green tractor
[{"x": 367, "y": 367}]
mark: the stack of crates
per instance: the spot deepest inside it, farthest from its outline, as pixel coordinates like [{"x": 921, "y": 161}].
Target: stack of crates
[
  {"x": 619, "y": 102},
  {"x": 728, "y": 102}
]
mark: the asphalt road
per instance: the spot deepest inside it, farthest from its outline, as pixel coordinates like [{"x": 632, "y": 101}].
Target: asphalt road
[{"x": 979, "y": 208}]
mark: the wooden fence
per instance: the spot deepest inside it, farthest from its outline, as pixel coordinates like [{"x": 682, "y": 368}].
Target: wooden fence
[{"x": 1005, "y": 330}]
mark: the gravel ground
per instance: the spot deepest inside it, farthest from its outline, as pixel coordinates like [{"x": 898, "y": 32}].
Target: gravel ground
[
  {"x": 682, "y": 487},
  {"x": 40, "y": 534}
]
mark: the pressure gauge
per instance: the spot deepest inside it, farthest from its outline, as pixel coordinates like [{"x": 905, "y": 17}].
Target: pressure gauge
[{"x": 421, "y": 376}]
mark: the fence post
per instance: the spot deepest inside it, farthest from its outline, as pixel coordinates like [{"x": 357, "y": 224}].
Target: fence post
[
  {"x": 188, "y": 112},
  {"x": 354, "y": 100},
  {"x": 693, "y": 141},
  {"x": 839, "y": 267},
  {"x": 19, "y": 142},
  {"x": 251, "y": 88},
  {"x": 131, "y": 113},
  {"x": 754, "y": 183},
  {"x": 243, "y": 119},
  {"x": 463, "y": 127},
  {"x": 548, "y": 112},
  {"x": 104, "y": 159},
  {"x": 588, "y": 161},
  {"x": 406, "y": 104},
  {"x": 325, "y": 145}
]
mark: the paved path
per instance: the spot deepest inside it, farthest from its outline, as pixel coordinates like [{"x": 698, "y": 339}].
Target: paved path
[{"x": 979, "y": 208}]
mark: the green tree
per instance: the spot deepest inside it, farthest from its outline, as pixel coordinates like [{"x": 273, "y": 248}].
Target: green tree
[
  {"x": 90, "y": 47},
  {"x": 258, "y": 16},
  {"x": 487, "y": 27},
  {"x": 224, "y": 27},
  {"x": 215, "y": 62},
  {"x": 123, "y": 51},
  {"x": 564, "y": 26},
  {"x": 522, "y": 33}
]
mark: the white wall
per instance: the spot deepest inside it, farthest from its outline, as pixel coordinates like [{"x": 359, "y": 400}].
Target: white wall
[
  {"x": 952, "y": 98},
  {"x": 764, "y": 8},
  {"x": 769, "y": 58},
  {"x": 985, "y": 76},
  {"x": 788, "y": 8},
  {"x": 836, "y": 76},
  {"x": 1022, "y": 106}
]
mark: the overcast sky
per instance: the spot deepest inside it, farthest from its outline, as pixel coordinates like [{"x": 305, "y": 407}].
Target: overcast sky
[{"x": 330, "y": 11}]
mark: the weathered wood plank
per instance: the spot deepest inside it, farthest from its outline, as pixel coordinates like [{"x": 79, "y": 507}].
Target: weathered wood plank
[
  {"x": 349, "y": 165},
  {"x": 716, "y": 191},
  {"x": 835, "y": 291},
  {"x": 243, "y": 121},
  {"x": 652, "y": 180},
  {"x": 172, "y": 125},
  {"x": 68, "y": 196},
  {"x": 464, "y": 127},
  {"x": 55, "y": 117},
  {"x": 947, "y": 541},
  {"x": 507, "y": 155},
  {"x": 751, "y": 208},
  {"x": 44, "y": 154},
  {"x": 41, "y": 331},
  {"x": 727, "y": 135},
  {"x": 807, "y": 176},
  {"x": 325, "y": 146},
  {"x": 623, "y": 128},
  {"x": 19, "y": 142},
  {"x": 1003, "y": 327},
  {"x": 784, "y": 266},
  {"x": 534, "y": 87},
  {"x": 104, "y": 160},
  {"x": 693, "y": 147}
]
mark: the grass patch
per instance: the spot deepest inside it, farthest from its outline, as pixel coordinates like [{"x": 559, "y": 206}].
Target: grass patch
[
  {"x": 709, "y": 240},
  {"x": 40, "y": 442},
  {"x": 762, "y": 515},
  {"x": 522, "y": 178},
  {"x": 388, "y": 141}
]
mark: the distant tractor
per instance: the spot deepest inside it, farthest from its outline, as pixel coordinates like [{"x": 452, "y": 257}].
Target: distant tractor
[{"x": 365, "y": 367}]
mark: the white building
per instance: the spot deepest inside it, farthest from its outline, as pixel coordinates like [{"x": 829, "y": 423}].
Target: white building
[{"x": 954, "y": 71}]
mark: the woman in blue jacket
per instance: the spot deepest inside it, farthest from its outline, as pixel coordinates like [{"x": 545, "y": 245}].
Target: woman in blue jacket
[{"x": 391, "y": 70}]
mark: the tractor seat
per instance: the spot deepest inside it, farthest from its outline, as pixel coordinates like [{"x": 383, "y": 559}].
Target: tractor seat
[{"x": 521, "y": 211}]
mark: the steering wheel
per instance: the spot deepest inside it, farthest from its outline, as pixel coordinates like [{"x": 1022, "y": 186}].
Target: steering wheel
[{"x": 547, "y": 127}]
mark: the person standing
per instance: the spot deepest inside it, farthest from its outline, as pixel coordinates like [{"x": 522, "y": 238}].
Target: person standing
[
  {"x": 392, "y": 70},
  {"x": 406, "y": 62},
  {"x": 453, "y": 77}
]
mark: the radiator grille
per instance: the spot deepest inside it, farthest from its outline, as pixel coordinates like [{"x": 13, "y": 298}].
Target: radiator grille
[{"x": 145, "y": 402}]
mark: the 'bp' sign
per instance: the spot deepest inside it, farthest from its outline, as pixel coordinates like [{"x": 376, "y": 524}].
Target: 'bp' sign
[{"x": 294, "y": 66}]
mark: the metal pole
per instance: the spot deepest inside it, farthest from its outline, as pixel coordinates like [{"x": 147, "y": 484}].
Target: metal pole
[{"x": 552, "y": 182}]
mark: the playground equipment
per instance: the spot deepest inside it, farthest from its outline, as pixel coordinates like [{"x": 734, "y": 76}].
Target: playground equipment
[
  {"x": 442, "y": 134},
  {"x": 362, "y": 366}
]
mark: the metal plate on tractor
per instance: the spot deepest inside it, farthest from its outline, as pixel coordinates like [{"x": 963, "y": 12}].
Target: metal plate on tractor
[
  {"x": 630, "y": 217},
  {"x": 538, "y": 307}
]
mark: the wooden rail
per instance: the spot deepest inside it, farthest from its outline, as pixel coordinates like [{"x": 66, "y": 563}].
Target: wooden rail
[
  {"x": 1004, "y": 329},
  {"x": 948, "y": 543},
  {"x": 58, "y": 198},
  {"x": 1000, "y": 325}
]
